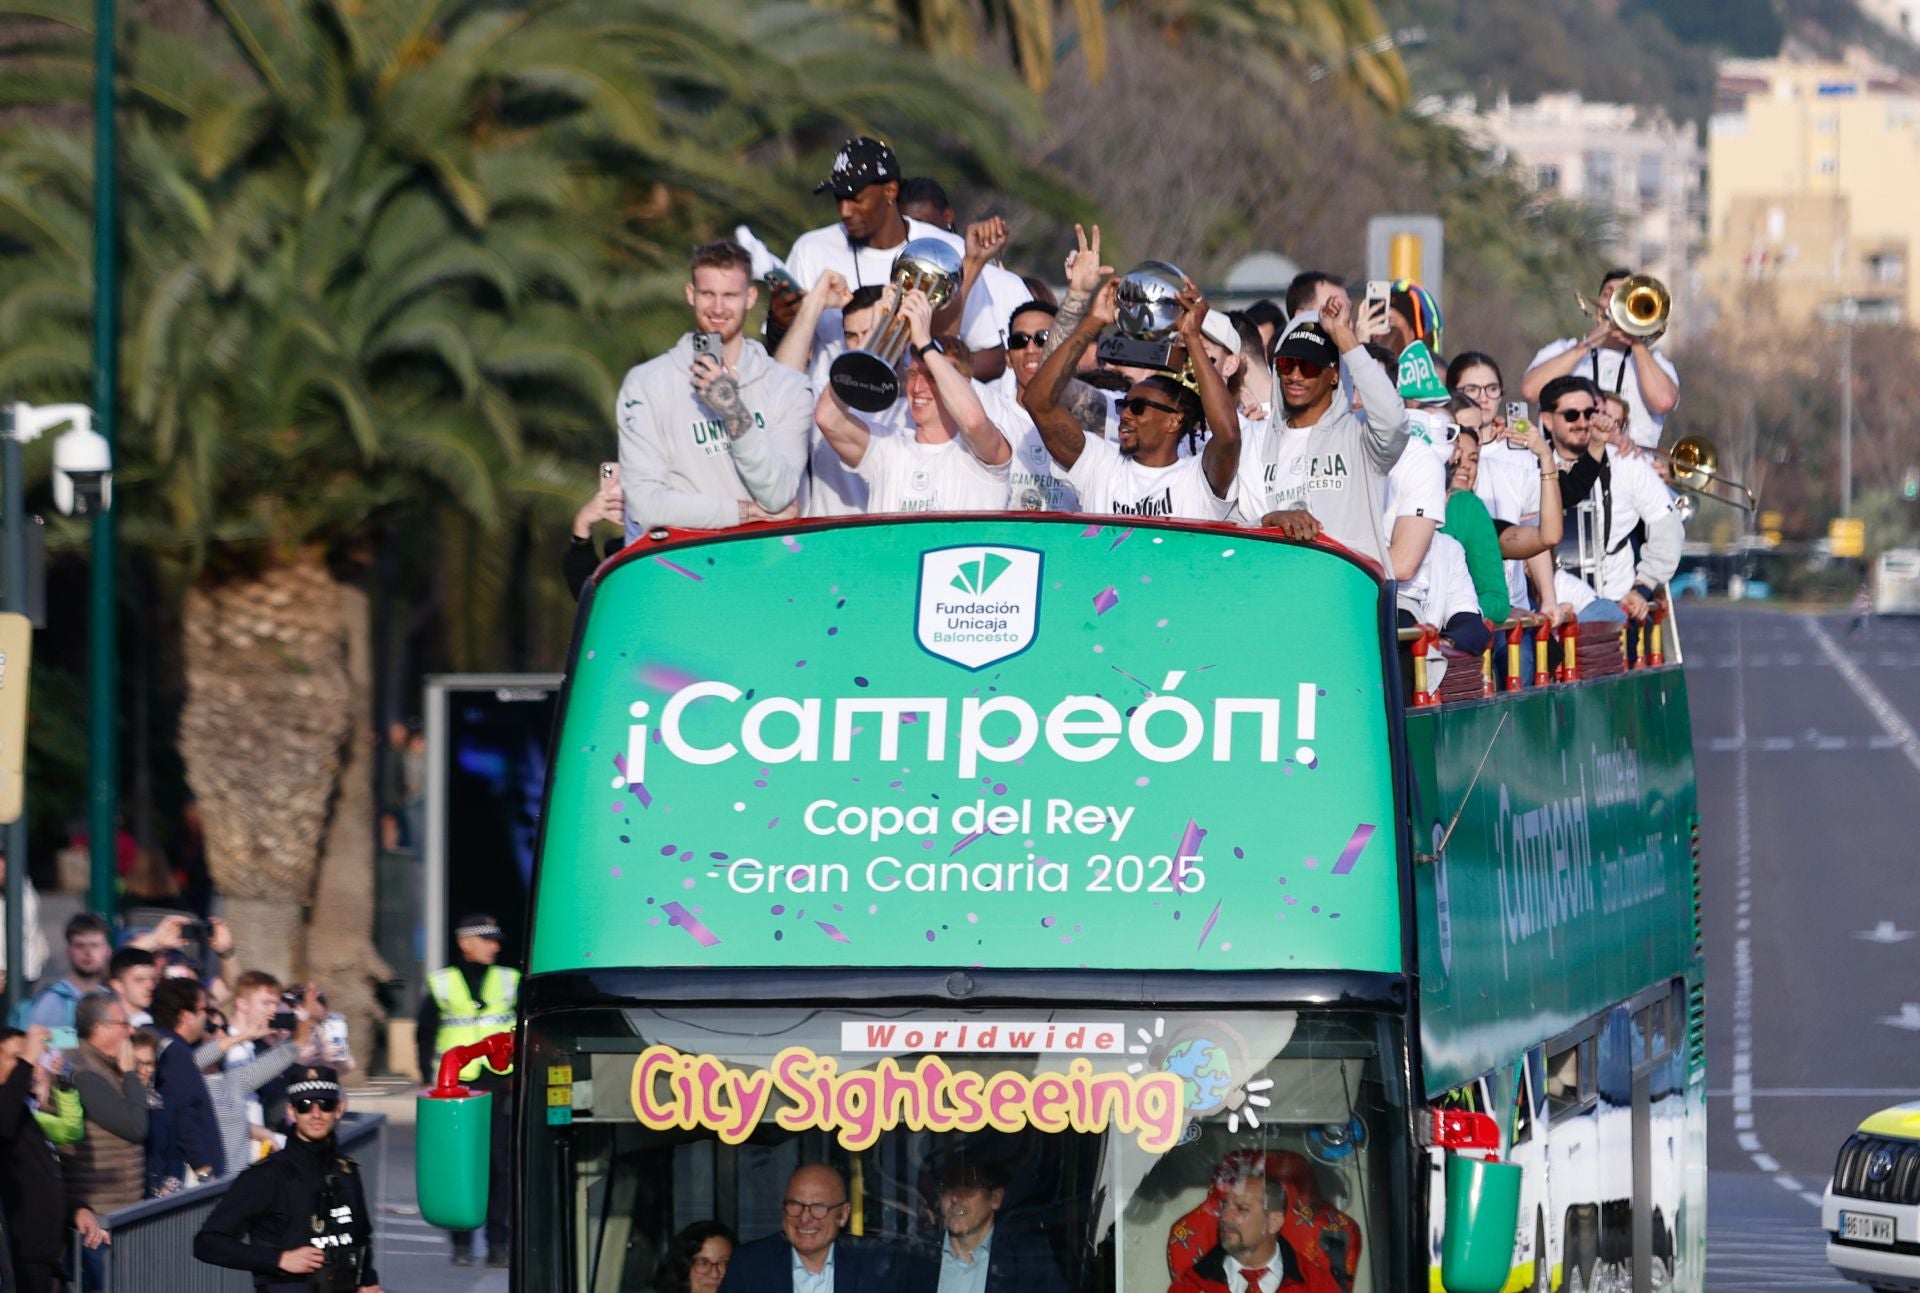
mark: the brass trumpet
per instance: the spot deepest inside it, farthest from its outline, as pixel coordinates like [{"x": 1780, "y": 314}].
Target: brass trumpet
[
  {"x": 1641, "y": 307},
  {"x": 1695, "y": 463}
]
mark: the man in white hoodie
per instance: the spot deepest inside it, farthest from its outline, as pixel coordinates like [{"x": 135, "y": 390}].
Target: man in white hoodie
[{"x": 710, "y": 441}]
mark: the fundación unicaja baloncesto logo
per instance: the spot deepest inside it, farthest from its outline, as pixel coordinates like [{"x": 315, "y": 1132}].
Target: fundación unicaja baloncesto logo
[{"x": 978, "y": 605}]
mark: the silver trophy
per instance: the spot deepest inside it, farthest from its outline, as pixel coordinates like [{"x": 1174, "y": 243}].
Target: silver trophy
[
  {"x": 1149, "y": 310},
  {"x": 869, "y": 379}
]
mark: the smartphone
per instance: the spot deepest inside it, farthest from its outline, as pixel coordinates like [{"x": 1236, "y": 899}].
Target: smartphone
[
  {"x": 63, "y": 1039},
  {"x": 1379, "y": 289},
  {"x": 1516, "y": 412},
  {"x": 706, "y": 343},
  {"x": 609, "y": 470},
  {"x": 284, "y": 1021},
  {"x": 781, "y": 281}
]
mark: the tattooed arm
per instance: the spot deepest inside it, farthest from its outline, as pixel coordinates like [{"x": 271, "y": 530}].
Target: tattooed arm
[
  {"x": 770, "y": 456},
  {"x": 1086, "y": 405}
]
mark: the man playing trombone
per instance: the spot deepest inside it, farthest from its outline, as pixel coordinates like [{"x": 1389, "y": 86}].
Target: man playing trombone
[{"x": 1619, "y": 355}]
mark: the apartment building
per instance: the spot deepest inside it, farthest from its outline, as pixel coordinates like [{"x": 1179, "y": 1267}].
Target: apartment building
[{"x": 1814, "y": 191}]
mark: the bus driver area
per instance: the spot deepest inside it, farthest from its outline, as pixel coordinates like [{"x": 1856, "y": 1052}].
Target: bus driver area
[{"x": 1117, "y": 1137}]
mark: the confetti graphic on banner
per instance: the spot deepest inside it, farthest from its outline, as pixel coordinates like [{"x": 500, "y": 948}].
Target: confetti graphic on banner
[
  {"x": 1351, "y": 854},
  {"x": 691, "y": 923}
]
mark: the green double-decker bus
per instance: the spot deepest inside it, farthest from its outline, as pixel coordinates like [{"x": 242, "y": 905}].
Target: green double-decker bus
[{"x": 1110, "y": 860}]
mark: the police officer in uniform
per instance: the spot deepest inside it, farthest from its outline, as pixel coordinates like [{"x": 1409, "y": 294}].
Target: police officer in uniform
[
  {"x": 299, "y": 1219},
  {"x": 469, "y": 1000}
]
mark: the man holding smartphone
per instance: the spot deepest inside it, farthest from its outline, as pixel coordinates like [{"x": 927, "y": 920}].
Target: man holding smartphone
[{"x": 713, "y": 434}]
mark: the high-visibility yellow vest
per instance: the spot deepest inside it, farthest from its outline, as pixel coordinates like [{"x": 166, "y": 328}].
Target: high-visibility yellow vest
[{"x": 464, "y": 1021}]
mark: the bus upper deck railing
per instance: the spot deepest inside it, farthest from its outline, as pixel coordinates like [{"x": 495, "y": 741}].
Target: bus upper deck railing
[
  {"x": 1629, "y": 646},
  {"x": 152, "y": 1248}
]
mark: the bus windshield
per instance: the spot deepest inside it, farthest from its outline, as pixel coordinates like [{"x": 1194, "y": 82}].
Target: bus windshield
[{"x": 1100, "y": 1149}]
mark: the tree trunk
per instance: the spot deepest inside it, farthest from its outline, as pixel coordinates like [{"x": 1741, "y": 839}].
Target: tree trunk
[
  {"x": 265, "y": 726},
  {"x": 340, "y": 951}
]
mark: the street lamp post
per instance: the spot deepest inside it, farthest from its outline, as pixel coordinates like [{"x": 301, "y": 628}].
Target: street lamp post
[
  {"x": 103, "y": 745},
  {"x": 82, "y": 483},
  {"x": 1849, "y": 315}
]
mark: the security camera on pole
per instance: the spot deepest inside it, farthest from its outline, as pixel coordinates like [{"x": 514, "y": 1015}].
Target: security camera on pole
[{"x": 82, "y": 486}]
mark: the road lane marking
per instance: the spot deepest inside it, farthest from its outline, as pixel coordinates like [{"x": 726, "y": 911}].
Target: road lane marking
[
  {"x": 1890, "y": 719},
  {"x": 1743, "y": 944}
]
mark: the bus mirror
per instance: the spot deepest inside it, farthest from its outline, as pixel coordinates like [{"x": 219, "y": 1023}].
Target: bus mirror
[
  {"x": 451, "y": 1158},
  {"x": 1483, "y": 1211}
]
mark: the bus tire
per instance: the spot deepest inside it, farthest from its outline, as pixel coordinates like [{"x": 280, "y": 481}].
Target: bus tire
[
  {"x": 1542, "y": 1265},
  {"x": 1663, "y": 1245},
  {"x": 1576, "y": 1253}
]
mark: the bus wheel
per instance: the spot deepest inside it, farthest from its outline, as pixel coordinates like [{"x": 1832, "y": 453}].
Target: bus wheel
[{"x": 1542, "y": 1266}]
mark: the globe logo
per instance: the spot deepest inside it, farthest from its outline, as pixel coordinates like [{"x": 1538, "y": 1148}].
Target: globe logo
[{"x": 1204, "y": 1072}]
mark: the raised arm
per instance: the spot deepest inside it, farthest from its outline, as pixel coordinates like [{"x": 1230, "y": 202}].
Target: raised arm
[
  {"x": 1535, "y": 379},
  {"x": 1659, "y": 391},
  {"x": 1384, "y": 413},
  {"x": 770, "y": 444},
  {"x": 986, "y": 239},
  {"x": 842, "y": 427},
  {"x": 1221, "y": 458},
  {"x": 952, "y": 388},
  {"x": 1519, "y": 542},
  {"x": 1064, "y": 423},
  {"x": 796, "y": 346}
]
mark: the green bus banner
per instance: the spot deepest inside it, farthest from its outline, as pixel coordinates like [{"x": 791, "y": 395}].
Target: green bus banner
[
  {"x": 1009, "y": 742},
  {"x": 1556, "y": 872}
]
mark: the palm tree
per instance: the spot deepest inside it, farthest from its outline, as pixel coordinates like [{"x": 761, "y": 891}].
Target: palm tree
[
  {"x": 384, "y": 263},
  {"x": 1331, "y": 32}
]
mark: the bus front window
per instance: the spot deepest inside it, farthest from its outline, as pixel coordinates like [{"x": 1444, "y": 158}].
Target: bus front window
[{"x": 1087, "y": 1151}]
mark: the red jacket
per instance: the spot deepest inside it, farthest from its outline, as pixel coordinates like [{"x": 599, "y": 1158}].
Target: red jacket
[{"x": 1209, "y": 1274}]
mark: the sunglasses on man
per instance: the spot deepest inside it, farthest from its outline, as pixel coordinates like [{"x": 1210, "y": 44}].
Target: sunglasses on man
[
  {"x": 1304, "y": 367},
  {"x": 1576, "y": 415},
  {"x": 307, "y": 1104},
  {"x": 1139, "y": 404},
  {"x": 1021, "y": 340}
]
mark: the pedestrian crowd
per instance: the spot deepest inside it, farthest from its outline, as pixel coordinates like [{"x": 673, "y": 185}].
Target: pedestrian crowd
[
  {"x": 977, "y": 390},
  {"x": 141, "y": 1072}
]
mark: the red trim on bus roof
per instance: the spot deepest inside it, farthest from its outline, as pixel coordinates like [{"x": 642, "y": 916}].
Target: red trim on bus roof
[{"x": 670, "y": 538}]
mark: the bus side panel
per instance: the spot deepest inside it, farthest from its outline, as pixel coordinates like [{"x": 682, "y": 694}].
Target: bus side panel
[{"x": 1555, "y": 901}]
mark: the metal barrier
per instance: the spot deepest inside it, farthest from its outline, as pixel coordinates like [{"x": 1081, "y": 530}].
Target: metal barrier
[{"x": 152, "y": 1248}]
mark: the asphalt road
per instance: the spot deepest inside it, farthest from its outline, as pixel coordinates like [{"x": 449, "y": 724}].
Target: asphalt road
[{"x": 1809, "y": 777}]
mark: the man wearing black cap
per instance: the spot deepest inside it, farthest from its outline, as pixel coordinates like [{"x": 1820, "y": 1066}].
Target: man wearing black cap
[
  {"x": 466, "y": 1002},
  {"x": 1320, "y": 467},
  {"x": 298, "y": 1220},
  {"x": 865, "y": 181}
]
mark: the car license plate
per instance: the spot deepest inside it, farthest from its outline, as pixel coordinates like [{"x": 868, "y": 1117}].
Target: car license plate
[{"x": 1865, "y": 1226}]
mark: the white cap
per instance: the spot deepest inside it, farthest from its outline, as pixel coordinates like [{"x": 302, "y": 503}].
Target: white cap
[{"x": 1219, "y": 329}]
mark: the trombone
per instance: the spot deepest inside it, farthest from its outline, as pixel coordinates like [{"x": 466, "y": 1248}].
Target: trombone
[
  {"x": 1695, "y": 464},
  {"x": 1641, "y": 307}
]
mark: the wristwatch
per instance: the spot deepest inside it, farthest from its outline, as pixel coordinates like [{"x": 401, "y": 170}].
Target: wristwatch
[
  {"x": 920, "y": 352},
  {"x": 1648, "y": 593}
]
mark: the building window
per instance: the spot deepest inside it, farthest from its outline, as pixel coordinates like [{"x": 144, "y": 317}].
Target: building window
[
  {"x": 1653, "y": 176},
  {"x": 1546, "y": 177},
  {"x": 1599, "y": 175},
  {"x": 1887, "y": 267},
  {"x": 1828, "y": 165},
  {"x": 1826, "y": 123}
]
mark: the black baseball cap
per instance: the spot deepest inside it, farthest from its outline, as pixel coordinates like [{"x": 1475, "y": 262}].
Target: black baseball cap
[
  {"x": 860, "y": 162},
  {"x": 1307, "y": 340}
]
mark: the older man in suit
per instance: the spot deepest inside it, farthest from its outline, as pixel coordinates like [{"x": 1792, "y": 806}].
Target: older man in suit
[{"x": 809, "y": 1255}]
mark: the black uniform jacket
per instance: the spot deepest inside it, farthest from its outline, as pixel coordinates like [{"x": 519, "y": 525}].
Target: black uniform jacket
[{"x": 307, "y": 1193}]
